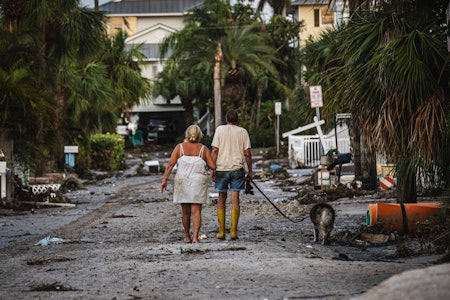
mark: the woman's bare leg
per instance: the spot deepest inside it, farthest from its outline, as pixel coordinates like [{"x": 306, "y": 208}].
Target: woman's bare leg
[
  {"x": 196, "y": 210},
  {"x": 186, "y": 220}
]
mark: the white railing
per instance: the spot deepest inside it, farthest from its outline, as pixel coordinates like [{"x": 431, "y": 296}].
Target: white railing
[
  {"x": 306, "y": 150},
  {"x": 206, "y": 123}
]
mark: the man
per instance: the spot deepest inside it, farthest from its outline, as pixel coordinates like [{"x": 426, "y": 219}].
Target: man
[{"x": 230, "y": 148}]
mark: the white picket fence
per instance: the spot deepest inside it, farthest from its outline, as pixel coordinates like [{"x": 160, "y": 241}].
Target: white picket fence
[{"x": 306, "y": 150}]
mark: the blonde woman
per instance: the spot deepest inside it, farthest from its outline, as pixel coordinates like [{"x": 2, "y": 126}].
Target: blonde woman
[{"x": 191, "y": 179}]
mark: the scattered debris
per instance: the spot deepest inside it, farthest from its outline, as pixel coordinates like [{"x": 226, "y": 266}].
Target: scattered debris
[
  {"x": 374, "y": 238},
  {"x": 49, "y": 240},
  {"x": 55, "y": 286},
  {"x": 122, "y": 216}
]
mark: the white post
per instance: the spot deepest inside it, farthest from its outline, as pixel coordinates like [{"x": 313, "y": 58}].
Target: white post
[
  {"x": 277, "y": 133},
  {"x": 303, "y": 128},
  {"x": 319, "y": 131},
  {"x": 2, "y": 179}
]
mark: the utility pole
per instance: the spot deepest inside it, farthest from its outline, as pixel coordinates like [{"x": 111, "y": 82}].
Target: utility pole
[{"x": 217, "y": 88}]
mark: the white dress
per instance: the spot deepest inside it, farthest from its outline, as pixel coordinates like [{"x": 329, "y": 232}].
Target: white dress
[{"x": 191, "y": 180}]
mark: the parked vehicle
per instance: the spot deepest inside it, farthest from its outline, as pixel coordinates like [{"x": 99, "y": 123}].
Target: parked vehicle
[{"x": 161, "y": 131}]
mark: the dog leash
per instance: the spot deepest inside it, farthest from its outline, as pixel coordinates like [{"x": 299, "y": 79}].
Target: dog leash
[{"x": 248, "y": 190}]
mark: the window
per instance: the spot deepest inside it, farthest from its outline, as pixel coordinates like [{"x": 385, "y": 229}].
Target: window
[
  {"x": 323, "y": 17},
  {"x": 317, "y": 18}
]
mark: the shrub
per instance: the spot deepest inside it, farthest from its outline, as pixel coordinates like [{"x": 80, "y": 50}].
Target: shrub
[
  {"x": 262, "y": 138},
  {"x": 107, "y": 151}
]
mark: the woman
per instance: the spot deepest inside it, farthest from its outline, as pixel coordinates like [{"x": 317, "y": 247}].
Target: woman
[{"x": 191, "y": 179}]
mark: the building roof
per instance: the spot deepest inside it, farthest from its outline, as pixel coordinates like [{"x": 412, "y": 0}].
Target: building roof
[
  {"x": 308, "y": 2},
  {"x": 131, "y": 7}
]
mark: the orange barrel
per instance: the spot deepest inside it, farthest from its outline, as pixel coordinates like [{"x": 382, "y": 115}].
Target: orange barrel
[{"x": 390, "y": 216}]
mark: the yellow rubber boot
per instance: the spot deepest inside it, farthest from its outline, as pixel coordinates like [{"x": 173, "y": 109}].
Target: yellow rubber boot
[
  {"x": 234, "y": 223},
  {"x": 221, "y": 222}
]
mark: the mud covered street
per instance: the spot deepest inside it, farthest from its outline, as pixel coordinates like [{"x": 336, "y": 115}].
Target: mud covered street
[{"x": 124, "y": 240}]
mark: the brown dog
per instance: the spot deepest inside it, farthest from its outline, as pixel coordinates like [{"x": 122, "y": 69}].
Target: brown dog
[{"x": 322, "y": 215}]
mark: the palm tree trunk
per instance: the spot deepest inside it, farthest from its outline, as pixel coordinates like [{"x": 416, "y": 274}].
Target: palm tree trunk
[
  {"x": 406, "y": 180},
  {"x": 364, "y": 159},
  {"x": 189, "y": 110},
  {"x": 355, "y": 136},
  {"x": 59, "y": 128},
  {"x": 368, "y": 166},
  {"x": 217, "y": 88},
  {"x": 259, "y": 95}
]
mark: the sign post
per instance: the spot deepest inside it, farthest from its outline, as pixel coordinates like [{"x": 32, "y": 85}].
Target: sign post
[
  {"x": 70, "y": 152},
  {"x": 315, "y": 95},
  {"x": 277, "y": 133}
]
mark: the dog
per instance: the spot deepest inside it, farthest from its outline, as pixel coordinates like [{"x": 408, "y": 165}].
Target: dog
[{"x": 322, "y": 216}]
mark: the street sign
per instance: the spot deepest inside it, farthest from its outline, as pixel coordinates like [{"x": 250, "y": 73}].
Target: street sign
[
  {"x": 315, "y": 95},
  {"x": 278, "y": 108}
]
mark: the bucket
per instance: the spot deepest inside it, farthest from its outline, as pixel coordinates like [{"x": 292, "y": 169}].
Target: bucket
[{"x": 390, "y": 215}]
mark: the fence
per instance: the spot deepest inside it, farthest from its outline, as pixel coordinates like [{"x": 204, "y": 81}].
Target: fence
[{"x": 306, "y": 150}]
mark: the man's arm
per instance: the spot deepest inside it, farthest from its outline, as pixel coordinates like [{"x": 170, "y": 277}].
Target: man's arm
[
  {"x": 248, "y": 160},
  {"x": 214, "y": 154}
]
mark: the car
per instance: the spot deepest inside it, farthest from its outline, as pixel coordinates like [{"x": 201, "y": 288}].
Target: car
[{"x": 161, "y": 131}]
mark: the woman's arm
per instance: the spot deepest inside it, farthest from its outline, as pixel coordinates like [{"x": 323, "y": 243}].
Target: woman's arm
[
  {"x": 209, "y": 160},
  {"x": 173, "y": 160}
]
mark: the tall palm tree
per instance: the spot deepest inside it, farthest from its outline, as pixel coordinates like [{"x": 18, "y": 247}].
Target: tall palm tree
[
  {"x": 219, "y": 43},
  {"x": 66, "y": 36},
  {"x": 199, "y": 42},
  {"x": 88, "y": 75},
  {"x": 247, "y": 53},
  {"x": 123, "y": 67},
  {"x": 390, "y": 78}
]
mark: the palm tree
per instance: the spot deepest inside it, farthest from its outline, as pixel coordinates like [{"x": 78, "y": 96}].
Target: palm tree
[
  {"x": 65, "y": 36},
  {"x": 389, "y": 77},
  {"x": 247, "y": 53},
  {"x": 123, "y": 67},
  {"x": 227, "y": 51},
  {"x": 320, "y": 58},
  {"x": 89, "y": 76}
]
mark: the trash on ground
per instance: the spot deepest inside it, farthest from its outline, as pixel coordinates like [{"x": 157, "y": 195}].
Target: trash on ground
[{"x": 49, "y": 240}]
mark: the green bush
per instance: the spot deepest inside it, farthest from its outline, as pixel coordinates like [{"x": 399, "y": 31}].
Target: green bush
[{"x": 107, "y": 151}]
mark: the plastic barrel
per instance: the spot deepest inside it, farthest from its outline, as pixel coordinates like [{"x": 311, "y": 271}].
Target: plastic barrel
[{"x": 390, "y": 215}]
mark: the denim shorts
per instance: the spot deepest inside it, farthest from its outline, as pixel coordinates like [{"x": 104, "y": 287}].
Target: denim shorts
[{"x": 232, "y": 180}]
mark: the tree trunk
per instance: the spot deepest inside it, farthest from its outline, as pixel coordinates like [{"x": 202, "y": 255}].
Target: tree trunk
[
  {"x": 59, "y": 128},
  {"x": 364, "y": 159},
  {"x": 217, "y": 89},
  {"x": 355, "y": 136},
  {"x": 406, "y": 181},
  {"x": 259, "y": 95},
  {"x": 369, "y": 177},
  {"x": 189, "y": 110}
]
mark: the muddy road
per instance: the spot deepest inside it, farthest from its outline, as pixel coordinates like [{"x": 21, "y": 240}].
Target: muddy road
[{"x": 124, "y": 240}]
